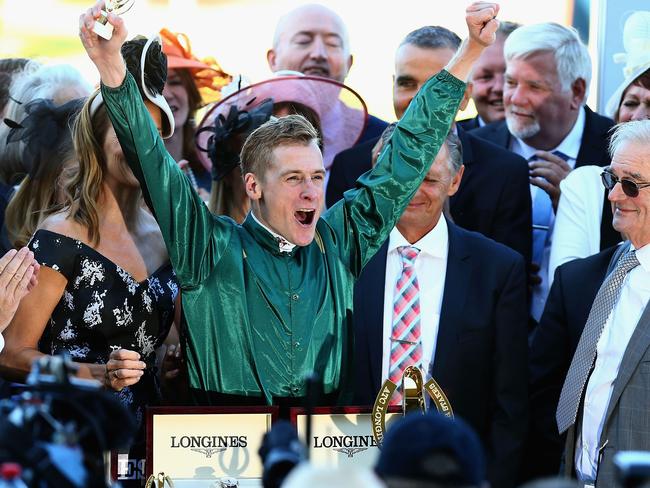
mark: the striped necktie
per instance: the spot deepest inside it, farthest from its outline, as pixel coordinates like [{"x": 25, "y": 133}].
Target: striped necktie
[
  {"x": 405, "y": 343},
  {"x": 583, "y": 359}
]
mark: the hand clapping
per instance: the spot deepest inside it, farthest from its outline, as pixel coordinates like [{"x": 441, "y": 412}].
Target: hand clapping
[{"x": 18, "y": 273}]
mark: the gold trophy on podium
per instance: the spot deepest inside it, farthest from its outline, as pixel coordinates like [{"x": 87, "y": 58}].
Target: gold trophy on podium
[
  {"x": 118, "y": 7},
  {"x": 159, "y": 481},
  {"x": 413, "y": 399}
]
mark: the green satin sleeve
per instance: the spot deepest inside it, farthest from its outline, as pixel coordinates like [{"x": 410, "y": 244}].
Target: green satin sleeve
[
  {"x": 195, "y": 239},
  {"x": 362, "y": 221}
]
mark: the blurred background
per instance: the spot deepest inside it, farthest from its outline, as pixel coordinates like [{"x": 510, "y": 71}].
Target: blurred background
[{"x": 239, "y": 32}]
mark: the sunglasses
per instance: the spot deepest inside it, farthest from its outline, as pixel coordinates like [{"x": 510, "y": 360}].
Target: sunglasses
[{"x": 630, "y": 188}]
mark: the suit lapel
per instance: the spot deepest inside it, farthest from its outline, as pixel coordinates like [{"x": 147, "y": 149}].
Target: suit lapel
[
  {"x": 373, "y": 313},
  {"x": 593, "y": 147},
  {"x": 502, "y": 135},
  {"x": 636, "y": 348},
  {"x": 454, "y": 297}
]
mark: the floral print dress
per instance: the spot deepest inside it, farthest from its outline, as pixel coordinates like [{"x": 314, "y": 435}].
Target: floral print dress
[{"x": 104, "y": 308}]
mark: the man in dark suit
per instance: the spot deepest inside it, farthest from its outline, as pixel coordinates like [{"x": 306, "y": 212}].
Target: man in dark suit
[
  {"x": 313, "y": 40},
  {"x": 589, "y": 355},
  {"x": 548, "y": 124},
  {"x": 493, "y": 198},
  {"x": 469, "y": 331}
]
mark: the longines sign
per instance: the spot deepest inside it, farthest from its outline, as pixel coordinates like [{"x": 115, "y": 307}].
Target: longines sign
[
  {"x": 188, "y": 444},
  {"x": 339, "y": 439}
]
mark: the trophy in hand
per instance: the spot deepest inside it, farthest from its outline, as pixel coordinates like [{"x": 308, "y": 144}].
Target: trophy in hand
[
  {"x": 413, "y": 399},
  {"x": 118, "y": 7}
]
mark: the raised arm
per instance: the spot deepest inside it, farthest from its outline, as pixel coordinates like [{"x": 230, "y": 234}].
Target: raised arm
[
  {"x": 364, "y": 218},
  {"x": 187, "y": 226}
]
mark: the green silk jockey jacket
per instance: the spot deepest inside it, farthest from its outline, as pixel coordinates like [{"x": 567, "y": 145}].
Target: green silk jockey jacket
[{"x": 256, "y": 320}]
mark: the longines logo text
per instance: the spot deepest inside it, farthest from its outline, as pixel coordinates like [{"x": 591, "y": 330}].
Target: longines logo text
[
  {"x": 345, "y": 444},
  {"x": 209, "y": 442}
]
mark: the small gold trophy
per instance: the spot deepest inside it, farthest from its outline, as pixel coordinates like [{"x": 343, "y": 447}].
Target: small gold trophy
[
  {"x": 160, "y": 481},
  {"x": 413, "y": 399},
  {"x": 118, "y": 7}
]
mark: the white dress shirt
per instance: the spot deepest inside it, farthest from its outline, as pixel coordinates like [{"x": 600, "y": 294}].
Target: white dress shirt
[
  {"x": 576, "y": 233},
  {"x": 570, "y": 146},
  {"x": 283, "y": 244},
  {"x": 2, "y": 343},
  {"x": 610, "y": 349},
  {"x": 430, "y": 270}
]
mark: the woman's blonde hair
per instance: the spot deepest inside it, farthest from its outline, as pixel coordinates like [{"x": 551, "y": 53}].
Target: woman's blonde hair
[
  {"x": 223, "y": 198},
  {"x": 82, "y": 188},
  {"x": 33, "y": 202}
]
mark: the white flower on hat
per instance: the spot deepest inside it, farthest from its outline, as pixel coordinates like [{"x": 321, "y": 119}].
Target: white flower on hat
[{"x": 636, "y": 41}]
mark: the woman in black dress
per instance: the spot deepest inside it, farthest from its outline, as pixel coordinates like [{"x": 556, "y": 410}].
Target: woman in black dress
[{"x": 106, "y": 291}]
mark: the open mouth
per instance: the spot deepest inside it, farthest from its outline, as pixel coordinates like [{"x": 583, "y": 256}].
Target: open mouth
[
  {"x": 496, "y": 103},
  {"x": 305, "y": 217}
]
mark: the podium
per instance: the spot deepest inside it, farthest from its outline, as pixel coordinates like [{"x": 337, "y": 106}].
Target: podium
[
  {"x": 197, "y": 446},
  {"x": 341, "y": 436}
]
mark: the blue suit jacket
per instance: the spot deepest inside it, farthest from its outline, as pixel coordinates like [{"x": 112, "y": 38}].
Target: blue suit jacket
[
  {"x": 481, "y": 346},
  {"x": 469, "y": 124}
]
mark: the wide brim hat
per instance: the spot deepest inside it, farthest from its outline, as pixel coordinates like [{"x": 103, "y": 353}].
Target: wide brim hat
[
  {"x": 341, "y": 110},
  {"x": 636, "y": 41},
  {"x": 206, "y": 72},
  {"x": 154, "y": 97}
]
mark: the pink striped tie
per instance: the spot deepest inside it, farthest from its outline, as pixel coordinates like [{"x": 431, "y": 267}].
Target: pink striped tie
[{"x": 405, "y": 344}]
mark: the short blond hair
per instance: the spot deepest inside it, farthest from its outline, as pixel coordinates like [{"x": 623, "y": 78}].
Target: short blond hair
[{"x": 257, "y": 152}]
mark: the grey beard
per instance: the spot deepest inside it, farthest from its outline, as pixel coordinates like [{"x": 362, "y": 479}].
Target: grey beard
[{"x": 524, "y": 132}]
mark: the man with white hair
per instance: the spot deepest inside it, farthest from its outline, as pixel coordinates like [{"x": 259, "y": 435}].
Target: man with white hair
[
  {"x": 313, "y": 40},
  {"x": 590, "y": 355},
  {"x": 548, "y": 70}
]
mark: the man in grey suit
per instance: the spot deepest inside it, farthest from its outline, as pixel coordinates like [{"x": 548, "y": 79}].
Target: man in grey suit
[{"x": 604, "y": 400}]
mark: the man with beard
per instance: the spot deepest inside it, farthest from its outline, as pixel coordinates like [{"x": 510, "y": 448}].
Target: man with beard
[
  {"x": 269, "y": 301},
  {"x": 548, "y": 70},
  {"x": 313, "y": 40}
]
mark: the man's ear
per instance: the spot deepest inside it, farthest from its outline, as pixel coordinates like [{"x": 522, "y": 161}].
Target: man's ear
[
  {"x": 252, "y": 186},
  {"x": 578, "y": 92},
  {"x": 466, "y": 96},
  {"x": 455, "y": 182},
  {"x": 270, "y": 58}
]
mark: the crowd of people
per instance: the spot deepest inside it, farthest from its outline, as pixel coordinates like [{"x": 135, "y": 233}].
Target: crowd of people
[{"x": 188, "y": 238}]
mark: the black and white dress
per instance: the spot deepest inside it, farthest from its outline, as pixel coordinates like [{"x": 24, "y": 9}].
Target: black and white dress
[{"x": 104, "y": 308}]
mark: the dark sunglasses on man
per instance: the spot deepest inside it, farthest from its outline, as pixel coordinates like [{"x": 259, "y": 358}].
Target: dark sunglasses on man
[{"x": 630, "y": 188}]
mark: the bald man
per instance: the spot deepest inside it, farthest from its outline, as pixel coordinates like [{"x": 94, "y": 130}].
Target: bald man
[{"x": 313, "y": 40}]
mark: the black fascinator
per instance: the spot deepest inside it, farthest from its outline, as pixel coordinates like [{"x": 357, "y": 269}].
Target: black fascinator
[
  {"x": 46, "y": 129},
  {"x": 229, "y": 133}
]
